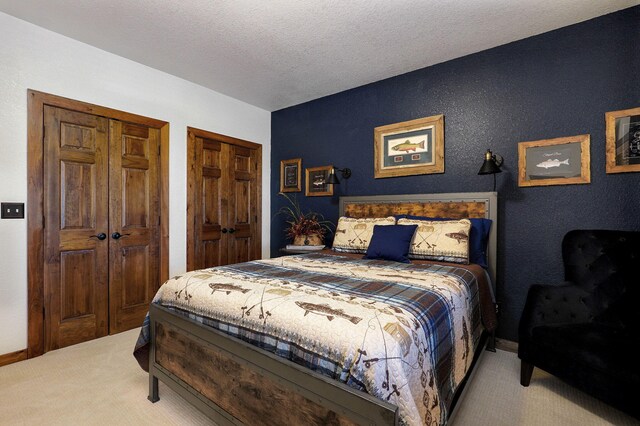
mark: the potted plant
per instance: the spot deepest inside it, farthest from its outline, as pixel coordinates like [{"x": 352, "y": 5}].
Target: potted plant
[{"x": 305, "y": 228}]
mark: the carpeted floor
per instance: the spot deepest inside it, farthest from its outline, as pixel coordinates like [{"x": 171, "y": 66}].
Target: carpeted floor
[{"x": 100, "y": 383}]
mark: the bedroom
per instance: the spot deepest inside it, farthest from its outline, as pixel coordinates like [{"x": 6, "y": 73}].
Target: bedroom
[{"x": 558, "y": 83}]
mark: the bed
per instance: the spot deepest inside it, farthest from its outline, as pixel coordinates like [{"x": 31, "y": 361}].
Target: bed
[{"x": 222, "y": 337}]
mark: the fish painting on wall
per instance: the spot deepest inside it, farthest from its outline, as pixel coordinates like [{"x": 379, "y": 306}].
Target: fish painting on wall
[
  {"x": 413, "y": 147},
  {"x": 561, "y": 162},
  {"x": 316, "y": 185},
  {"x": 558, "y": 161}
]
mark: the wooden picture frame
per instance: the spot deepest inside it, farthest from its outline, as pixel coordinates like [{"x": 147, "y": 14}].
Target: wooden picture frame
[
  {"x": 414, "y": 147},
  {"x": 559, "y": 161},
  {"x": 623, "y": 140},
  {"x": 316, "y": 181},
  {"x": 291, "y": 175}
]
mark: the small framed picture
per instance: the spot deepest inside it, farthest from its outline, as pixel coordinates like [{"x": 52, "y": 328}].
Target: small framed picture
[
  {"x": 316, "y": 184},
  {"x": 623, "y": 140},
  {"x": 413, "y": 147},
  {"x": 291, "y": 175},
  {"x": 559, "y": 161}
]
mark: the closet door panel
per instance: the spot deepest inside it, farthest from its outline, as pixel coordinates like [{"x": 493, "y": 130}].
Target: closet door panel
[
  {"x": 210, "y": 216},
  {"x": 134, "y": 223},
  {"x": 243, "y": 204},
  {"x": 76, "y": 212},
  {"x": 135, "y": 268}
]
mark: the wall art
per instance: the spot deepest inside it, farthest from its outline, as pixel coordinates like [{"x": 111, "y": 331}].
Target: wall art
[
  {"x": 316, "y": 184},
  {"x": 413, "y": 147},
  {"x": 559, "y": 161},
  {"x": 291, "y": 175},
  {"x": 623, "y": 140}
]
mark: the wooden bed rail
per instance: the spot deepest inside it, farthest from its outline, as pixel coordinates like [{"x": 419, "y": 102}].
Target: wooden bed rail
[{"x": 249, "y": 385}]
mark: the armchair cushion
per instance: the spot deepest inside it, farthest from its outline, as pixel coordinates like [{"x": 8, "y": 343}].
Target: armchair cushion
[{"x": 547, "y": 304}]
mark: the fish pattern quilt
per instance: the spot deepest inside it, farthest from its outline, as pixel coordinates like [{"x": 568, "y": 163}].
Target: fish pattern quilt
[{"x": 405, "y": 333}]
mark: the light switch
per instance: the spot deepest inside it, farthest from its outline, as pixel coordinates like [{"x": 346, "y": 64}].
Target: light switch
[{"x": 12, "y": 210}]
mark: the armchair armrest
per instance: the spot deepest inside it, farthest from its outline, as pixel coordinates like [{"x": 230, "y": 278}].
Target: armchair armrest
[{"x": 552, "y": 304}]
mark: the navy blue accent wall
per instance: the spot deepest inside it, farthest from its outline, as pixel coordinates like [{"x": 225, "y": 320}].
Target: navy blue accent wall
[{"x": 556, "y": 84}]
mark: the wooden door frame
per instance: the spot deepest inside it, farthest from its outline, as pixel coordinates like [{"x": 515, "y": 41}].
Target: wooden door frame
[
  {"x": 192, "y": 134},
  {"x": 35, "y": 200}
]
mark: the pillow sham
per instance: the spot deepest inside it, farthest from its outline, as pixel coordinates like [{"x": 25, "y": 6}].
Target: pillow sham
[
  {"x": 391, "y": 242},
  {"x": 354, "y": 234},
  {"x": 445, "y": 241},
  {"x": 478, "y": 240}
]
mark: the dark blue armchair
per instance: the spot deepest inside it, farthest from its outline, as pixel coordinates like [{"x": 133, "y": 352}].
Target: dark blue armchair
[{"x": 585, "y": 331}]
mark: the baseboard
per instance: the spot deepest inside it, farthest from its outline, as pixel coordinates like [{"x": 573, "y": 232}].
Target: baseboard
[
  {"x": 12, "y": 357},
  {"x": 507, "y": 345}
]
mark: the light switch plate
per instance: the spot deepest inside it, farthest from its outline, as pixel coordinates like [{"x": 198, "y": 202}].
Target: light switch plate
[{"x": 12, "y": 210}]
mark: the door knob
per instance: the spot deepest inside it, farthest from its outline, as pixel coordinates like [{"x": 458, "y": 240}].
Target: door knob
[
  {"x": 101, "y": 236},
  {"x": 231, "y": 231},
  {"x": 117, "y": 235},
  {"x": 223, "y": 230}
]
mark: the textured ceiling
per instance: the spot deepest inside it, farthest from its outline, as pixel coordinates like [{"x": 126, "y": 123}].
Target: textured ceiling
[{"x": 278, "y": 53}]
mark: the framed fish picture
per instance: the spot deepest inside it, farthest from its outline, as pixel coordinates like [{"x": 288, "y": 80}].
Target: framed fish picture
[
  {"x": 559, "y": 161},
  {"x": 409, "y": 148},
  {"x": 623, "y": 140},
  {"x": 316, "y": 182}
]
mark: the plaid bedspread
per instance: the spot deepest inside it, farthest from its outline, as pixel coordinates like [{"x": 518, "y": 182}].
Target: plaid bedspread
[{"x": 405, "y": 333}]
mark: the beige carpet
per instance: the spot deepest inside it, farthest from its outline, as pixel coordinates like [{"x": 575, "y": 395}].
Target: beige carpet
[
  {"x": 99, "y": 383},
  {"x": 495, "y": 397}
]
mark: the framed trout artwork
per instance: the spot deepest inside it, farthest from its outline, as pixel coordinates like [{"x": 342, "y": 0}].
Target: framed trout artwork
[
  {"x": 413, "y": 147},
  {"x": 291, "y": 175},
  {"x": 559, "y": 161},
  {"x": 316, "y": 185},
  {"x": 623, "y": 140}
]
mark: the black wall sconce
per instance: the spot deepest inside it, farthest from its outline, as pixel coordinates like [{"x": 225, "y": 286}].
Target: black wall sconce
[
  {"x": 491, "y": 165},
  {"x": 333, "y": 179}
]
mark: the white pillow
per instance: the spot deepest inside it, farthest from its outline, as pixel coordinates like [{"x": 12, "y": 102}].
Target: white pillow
[
  {"x": 353, "y": 235},
  {"x": 444, "y": 241}
]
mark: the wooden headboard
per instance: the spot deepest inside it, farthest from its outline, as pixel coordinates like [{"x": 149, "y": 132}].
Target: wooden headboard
[{"x": 453, "y": 205}]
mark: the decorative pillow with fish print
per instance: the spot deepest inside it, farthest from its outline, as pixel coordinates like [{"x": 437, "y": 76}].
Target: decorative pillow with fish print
[
  {"x": 353, "y": 235},
  {"x": 478, "y": 240},
  {"x": 444, "y": 241}
]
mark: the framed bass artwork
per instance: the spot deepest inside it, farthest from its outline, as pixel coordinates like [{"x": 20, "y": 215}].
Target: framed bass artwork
[
  {"x": 316, "y": 185},
  {"x": 623, "y": 140},
  {"x": 414, "y": 147},
  {"x": 291, "y": 175},
  {"x": 559, "y": 161}
]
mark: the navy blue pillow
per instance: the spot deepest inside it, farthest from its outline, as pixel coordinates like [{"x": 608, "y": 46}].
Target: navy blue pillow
[
  {"x": 391, "y": 242},
  {"x": 478, "y": 239}
]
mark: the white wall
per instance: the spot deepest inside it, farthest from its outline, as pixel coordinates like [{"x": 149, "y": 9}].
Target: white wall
[{"x": 34, "y": 58}]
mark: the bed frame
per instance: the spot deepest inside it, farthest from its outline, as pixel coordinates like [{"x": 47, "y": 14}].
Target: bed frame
[{"x": 233, "y": 382}]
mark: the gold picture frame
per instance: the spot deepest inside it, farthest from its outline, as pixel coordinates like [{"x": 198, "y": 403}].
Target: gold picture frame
[
  {"x": 414, "y": 147},
  {"x": 291, "y": 175},
  {"x": 316, "y": 181},
  {"x": 559, "y": 161},
  {"x": 623, "y": 140}
]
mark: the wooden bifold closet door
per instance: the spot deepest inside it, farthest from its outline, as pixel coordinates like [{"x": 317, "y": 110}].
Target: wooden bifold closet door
[
  {"x": 223, "y": 200},
  {"x": 76, "y": 269},
  {"x": 102, "y": 219},
  {"x": 134, "y": 214}
]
